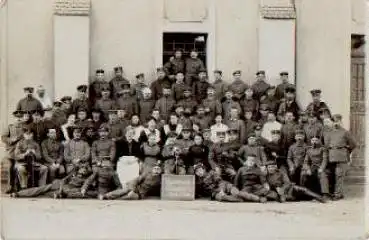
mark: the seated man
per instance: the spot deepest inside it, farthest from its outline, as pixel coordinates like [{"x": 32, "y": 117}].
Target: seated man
[
  {"x": 28, "y": 158},
  {"x": 70, "y": 186},
  {"x": 144, "y": 185},
  {"x": 282, "y": 189},
  {"x": 210, "y": 184}
]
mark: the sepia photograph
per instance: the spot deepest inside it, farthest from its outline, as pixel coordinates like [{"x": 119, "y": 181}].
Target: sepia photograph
[{"x": 184, "y": 119}]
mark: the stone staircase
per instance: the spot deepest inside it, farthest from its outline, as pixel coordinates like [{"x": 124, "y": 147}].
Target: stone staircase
[{"x": 356, "y": 175}]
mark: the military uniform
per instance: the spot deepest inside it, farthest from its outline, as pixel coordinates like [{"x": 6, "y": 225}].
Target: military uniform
[
  {"x": 76, "y": 151},
  {"x": 105, "y": 105},
  {"x": 150, "y": 154},
  {"x": 281, "y": 88},
  {"x": 189, "y": 103},
  {"x": 315, "y": 107},
  {"x": 251, "y": 180},
  {"x": 200, "y": 90},
  {"x": 177, "y": 90},
  {"x": 165, "y": 105},
  {"x": 239, "y": 125},
  {"x": 193, "y": 67},
  {"x": 95, "y": 90},
  {"x": 250, "y": 150},
  {"x": 203, "y": 122},
  {"x": 288, "y": 106},
  {"x": 174, "y": 66},
  {"x": 39, "y": 130},
  {"x": 313, "y": 130},
  {"x": 213, "y": 107},
  {"x": 238, "y": 87},
  {"x": 340, "y": 144},
  {"x": 226, "y": 108},
  {"x": 116, "y": 85},
  {"x": 260, "y": 87},
  {"x": 220, "y": 88},
  {"x": 145, "y": 106},
  {"x": 137, "y": 90},
  {"x": 295, "y": 159},
  {"x": 59, "y": 117},
  {"x": 80, "y": 103},
  {"x": 184, "y": 145},
  {"x": 26, "y": 162},
  {"x": 53, "y": 153},
  {"x": 102, "y": 148},
  {"x": 128, "y": 104},
  {"x": 106, "y": 180},
  {"x": 116, "y": 130},
  {"x": 288, "y": 131},
  {"x": 157, "y": 87},
  {"x": 276, "y": 152},
  {"x": 250, "y": 105},
  {"x": 172, "y": 163},
  {"x": 29, "y": 104},
  {"x": 272, "y": 103}
]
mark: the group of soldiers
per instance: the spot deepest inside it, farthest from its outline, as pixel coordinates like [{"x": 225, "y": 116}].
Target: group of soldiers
[{"x": 242, "y": 142}]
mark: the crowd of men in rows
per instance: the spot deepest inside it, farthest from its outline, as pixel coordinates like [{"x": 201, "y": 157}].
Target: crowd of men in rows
[{"x": 242, "y": 142}]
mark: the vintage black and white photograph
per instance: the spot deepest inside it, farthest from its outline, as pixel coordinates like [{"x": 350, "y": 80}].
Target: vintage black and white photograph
[{"x": 183, "y": 119}]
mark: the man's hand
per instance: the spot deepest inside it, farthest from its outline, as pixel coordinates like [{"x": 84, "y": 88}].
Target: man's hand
[
  {"x": 263, "y": 169},
  {"x": 279, "y": 190},
  {"x": 207, "y": 109},
  {"x": 320, "y": 170},
  {"x": 274, "y": 154},
  {"x": 114, "y": 139},
  {"x": 266, "y": 186},
  {"x": 218, "y": 171},
  {"x": 291, "y": 170},
  {"x": 83, "y": 192}
]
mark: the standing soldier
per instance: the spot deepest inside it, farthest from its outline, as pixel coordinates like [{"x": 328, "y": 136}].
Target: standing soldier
[
  {"x": 174, "y": 65},
  {"x": 238, "y": 86},
  {"x": 219, "y": 85},
  {"x": 53, "y": 154},
  {"x": 260, "y": 87},
  {"x": 212, "y": 104},
  {"x": 193, "y": 66},
  {"x": 10, "y": 138},
  {"x": 97, "y": 86},
  {"x": 29, "y": 103},
  {"x": 270, "y": 99},
  {"x": 67, "y": 105},
  {"x": 76, "y": 151},
  {"x": 117, "y": 82},
  {"x": 146, "y": 105},
  {"x": 139, "y": 86},
  {"x": 316, "y": 105},
  {"x": 157, "y": 85},
  {"x": 288, "y": 130},
  {"x": 296, "y": 157},
  {"x": 28, "y": 159},
  {"x": 81, "y": 100},
  {"x": 248, "y": 102},
  {"x": 250, "y": 124},
  {"x": 281, "y": 88},
  {"x": 313, "y": 128},
  {"x": 59, "y": 117},
  {"x": 289, "y": 104},
  {"x": 127, "y": 102},
  {"x": 200, "y": 87},
  {"x": 340, "y": 144},
  {"x": 178, "y": 87},
  {"x": 228, "y": 104},
  {"x": 315, "y": 163},
  {"x": 188, "y": 102},
  {"x": 105, "y": 103},
  {"x": 166, "y": 103},
  {"x": 234, "y": 122}
]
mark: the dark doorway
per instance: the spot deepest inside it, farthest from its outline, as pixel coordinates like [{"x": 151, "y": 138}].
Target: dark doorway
[{"x": 186, "y": 42}]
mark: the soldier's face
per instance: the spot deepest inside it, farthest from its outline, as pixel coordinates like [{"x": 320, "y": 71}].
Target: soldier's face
[
  {"x": 271, "y": 92},
  {"x": 186, "y": 134},
  {"x": 194, "y": 54},
  {"x": 118, "y": 73},
  {"x": 90, "y": 132},
  {"x": 200, "y": 172},
  {"x": 289, "y": 117},
  {"x": 248, "y": 115},
  {"x": 156, "y": 114},
  {"x": 337, "y": 123},
  {"x": 271, "y": 117},
  {"x": 156, "y": 170},
  {"x": 234, "y": 113},
  {"x": 299, "y": 138},
  {"x": 217, "y": 76},
  {"x": 141, "y": 80},
  {"x": 36, "y": 117},
  {"x": 251, "y": 141},
  {"x": 147, "y": 95},
  {"x": 276, "y": 137},
  {"x": 290, "y": 96},
  {"x": 312, "y": 119},
  {"x": 284, "y": 78},
  {"x": 135, "y": 120},
  {"x": 66, "y": 105},
  {"x": 206, "y": 135},
  {"x": 77, "y": 134},
  {"x": 179, "y": 77},
  {"x": 314, "y": 141},
  {"x": 161, "y": 74},
  {"x": 260, "y": 77},
  {"x": 26, "y": 117},
  {"x": 152, "y": 140},
  {"x": 250, "y": 161},
  {"x": 221, "y": 137},
  {"x": 100, "y": 76},
  {"x": 178, "y": 54},
  {"x": 303, "y": 118},
  {"x": 103, "y": 134},
  {"x": 210, "y": 92},
  {"x": 171, "y": 140},
  {"x": 187, "y": 93},
  {"x": 82, "y": 115},
  {"x": 166, "y": 91},
  {"x": 272, "y": 168},
  {"x": 179, "y": 111},
  {"x": 316, "y": 98},
  {"x": 198, "y": 140},
  {"x": 229, "y": 95},
  {"x": 200, "y": 111},
  {"x": 233, "y": 136},
  {"x": 173, "y": 119},
  {"x": 327, "y": 122},
  {"x": 28, "y": 93},
  {"x": 237, "y": 76},
  {"x": 52, "y": 133}
]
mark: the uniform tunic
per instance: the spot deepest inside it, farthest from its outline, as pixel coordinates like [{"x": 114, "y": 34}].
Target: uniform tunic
[
  {"x": 213, "y": 107},
  {"x": 145, "y": 107},
  {"x": 202, "y": 121},
  {"x": 258, "y": 151},
  {"x": 12, "y": 135},
  {"x": 249, "y": 127},
  {"x": 29, "y": 104},
  {"x": 220, "y": 88},
  {"x": 22, "y": 146},
  {"x": 52, "y": 151},
  {"x": 39, "y": 130},
  {"x": 147, "y": 184},
  {"x": 199, "y": 154},
  {"x": 150, "y": 155},
  {"x": 313, "y": 130},
  {"x": 105, "y": 105},
  {"x": 272, "y": 102},
  {"x": 116, "y": 85},
  {"x": 76, "y": 149},
  {"x": 174, "y": 66},
  {"x": 340, "y": 144},
  {"x": 96, "y": 88},
  {"x": 59, "y": 117},
  {"x": 102, "y": 148},
  {"x": 288, "y": 131},
  {"x": 177, "y": 90},
  {"x": 127, "y": 103},
  {"x": 238, "y": 88},
  {"x": 157, "y": 87},
  {"x": 188, "y": 103},
  {"x": 288, "y": 106},
  {"x": 165, "y": 106},
  {"x": 249, "y": 179},
  {"x": 314, "y": 108},
  {"x": 260, "y": 88},
  {"x": 80, "y": 103},
  {"x": 296, "y": 154},
  {"x": 279, "y": 93},
  {"x": 240, "y": 126},
  {"x": 184, "y": 145},
  {"x": 117, "y": 131},
  {"x": 200, "y": 90}
]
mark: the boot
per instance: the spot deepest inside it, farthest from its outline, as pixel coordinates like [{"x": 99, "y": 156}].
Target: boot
[
  {"x": 310, "y": 193},
  {"x": 249, "y": 197},
  {"x": 230, "y": 198},
  {"x": 9, "y": 190}
]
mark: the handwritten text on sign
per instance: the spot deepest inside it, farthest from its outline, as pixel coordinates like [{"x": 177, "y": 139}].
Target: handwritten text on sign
[{"x": 178, "y": 187}]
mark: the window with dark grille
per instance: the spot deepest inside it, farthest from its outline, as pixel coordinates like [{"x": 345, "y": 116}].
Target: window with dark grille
[{"x": 186, "y": 42}]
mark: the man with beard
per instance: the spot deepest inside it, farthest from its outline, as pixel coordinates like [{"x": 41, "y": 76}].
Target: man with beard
[
  {"x": 200, "y": 87},
  {"x": 193, "y": 66},
  {"x": 81, "y": 100},
  {"x": 317, "y": 104},
  {"x": 157, "y": 85},
  {"x": 29, "y": 103},
  {"x": 145, "y": 185},
  {"x": 175, "y": 64},
  {"x": 117, "y": 82},
  {"x": 210, "y": 184},
  {"x": 296, "y": 156}
]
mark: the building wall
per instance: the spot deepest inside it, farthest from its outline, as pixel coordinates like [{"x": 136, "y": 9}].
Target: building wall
[{"x": 358, "y": 16}]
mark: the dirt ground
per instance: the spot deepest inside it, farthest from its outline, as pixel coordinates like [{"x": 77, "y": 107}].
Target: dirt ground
[{"x": 201, "y": 219}]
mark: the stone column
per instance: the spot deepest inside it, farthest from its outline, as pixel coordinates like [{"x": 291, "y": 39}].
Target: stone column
[
  {"x": 71, "y": 45},
  {"x": 277, "y": 39}
]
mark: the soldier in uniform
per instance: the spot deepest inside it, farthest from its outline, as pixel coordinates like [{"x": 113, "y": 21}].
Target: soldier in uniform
[
  {"x": 150, "y": 153},
  {"x": 283, "y": 190},
  {"x": 28, "y": 159},
  {"x": 178, "y": 87},
  {"x": 69, "y": 186},
  {"x": 184, "y": 142},
  {"x": 200, "y": 87},
  {"x": 29, "y": 103},
  {"x": 10, "y": 137},
  {"x": 234, "y": 122},
  {"x": 146, "y": 105},
  {"x": 229, "y": 103},
  {"x": 276, "y": 152},
  {"x": 82, "y": 120},
  {"x": 193, "y": 66},
  {"x": 252, "y": 149},
  {"x": 212, "y": 105},
  {"x": 316, "y": 105},
  {"x": 238, "y": 86},
  {"x": 157, "y": 85},
  {"x": 139, "y": 86},
  {"x": 219, "y": 85},
  {"x": 59, "y": 117},
  {"x": 188, "y": 102},
  {"x": 313, "y": 128},
  {"x": 105, "y": 103},
  {"x": 97, "y": 86},
  {"x": 166, "y": 103},
  {"x": 248, "y": 102},
  {"x": 169, "y": 153},
  {"x": 117, "y": 82},
  {"x": 76, "y": 151},
  {"x": 340, "y": 144},
  {"x": 67, "y": 105},
  {"x": 103, "y": 149},
  {"x": 315, "y": 163},
  {"x": 296, "y": 156},
  {"x": 289, "y": 104},
  {"x": 271, "y": 99},
  {"x": 53, "y": 154},
  {"x": 281, "y": 88},
  {"x": 175, "y": 64},
  {"x": 249, "y": 121},
  {"x": 288, "y": 130},
  {"x": 115, "y": 128},
  {"x": 38, "y": 127},
  {"x": 260, "y": 140},
  {"x": 210, "y": 184},
  {"x": 105, "y": 179},
  {"x": 198, "y": 153},
  {"x": 260, "y": 87},
  {"x": 201, "y": 120},
  {"x": 126, "y": 102},
  {"x": 81, "y": 100},
  {"x": 145, "y": 185}
]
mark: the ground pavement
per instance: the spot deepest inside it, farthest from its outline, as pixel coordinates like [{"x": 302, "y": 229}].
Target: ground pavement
[{"x": 201, "y": 219}]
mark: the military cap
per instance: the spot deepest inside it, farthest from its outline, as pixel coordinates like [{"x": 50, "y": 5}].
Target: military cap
[
  {"x": 66, "y": 99},
  {"x": 112, "y": 111},
  {"x": 315, "y": 92},
  {"x": 29, "y": 89},
  {"x": 275, "y": 131},
  {"x": 57, "y": 103},
  {"x": 337, "y": 117},
  {"x": 100, "y": 71},
  {"x": 251, "y": 135},
  {"x": 104, "y": 128},
  {"x": 187, "y": 89},
  {"x": 218, "y": 71},
  {"x": 172, "y": 135},
  {"x": 283, "y": 73},
  {"x": 18, "y": 113},
  {"x": 264, "y": 107},
  {"x": 160, "y": 69},
  {"x": 82, "y": 88},
  {"x": 271, "y": 87},
  {"x": 199, "y": 165},
  {"x": 299, "y": 132},
  {"x": 236, "y": 72},
  {"x": 261, "y": 72},
  {"x": 206, "y": 130},
  {"x": 290, "y": 89},
  {"x": 233, "y": 130},
  {"x": 270, "y": 162},
  {"x": 203, "y": 70},
  {"x": 118, "y": 68},
  {"x": 37, "y": 112},
  {"x": 140, "y": 75},
  {"x": 258, "y": 127},
  {"x": 315, "y": 136},
  {"x": 82, "y": 109}
]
